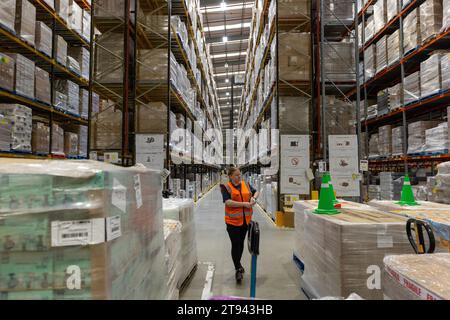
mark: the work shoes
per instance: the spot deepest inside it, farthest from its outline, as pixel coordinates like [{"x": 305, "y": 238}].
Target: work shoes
[
  {"x": 241, "y": 269},
  {"x": 239, "y": 276}
]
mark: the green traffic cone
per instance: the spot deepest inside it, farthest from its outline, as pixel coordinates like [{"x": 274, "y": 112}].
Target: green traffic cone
[
  {"x": 326, "y": 205},
  {"x": 327, "y": 179},
  {"x": 407, "y": 198}
]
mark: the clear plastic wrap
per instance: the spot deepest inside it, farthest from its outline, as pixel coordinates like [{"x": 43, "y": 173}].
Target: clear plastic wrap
[
  {"x": 75, "y": 20},
  {"x": 445, "y": 71},
  {"x": 412, "y": 87},
  {"x": 40, "y": 196},
  {"x": 44, "y": 38},
  {"x": 8, "y": 13},
  {"x": 392, "y": 9},
  {"x": 416, "y": 135},
  {"x": 437, "y": 138},
  {"x": 40, "y": 141},
  {"x": 372, "y": 111},
  {"x": 61, "y": 50},
  {"x": 380, "y": 15},
  {"x": 385, "y": 140},
  {"x": 25, "y": 22},
  {"x": 374, "y": 146},
  {"x": 83, "y": 141},
  {"x": 57, "y": 140},
  {"x": 393, "y": 48},
  {"x": 430, "y": 75},
  {"x": 430, "y": 19},
  {"x": 84, "y": 103},
  {"x": 338, "y": 11},
  {"x": 107, "y": 127},
  {"x": 339, "y": 61},
  {"x": 20, "y": 118},
  {"x": 7, "y": 70},
  {"x": 86, "y": 25},
  {"x": 295, "y": 56},
  {"x": 5, "y": 132},
  {"x": 417, "y": 277},
  {"x": 411, "y": 31},
  {"x": 82, "y": 55},
  {"x": 370, "y": 61},
  {"x": 172, "y": 239},
  {"x": 446, "y": 14},
  {"x": 42, "y": 86},
  {"x": 70, "y": 144},
  {"x": 391, "y": 185},
  {"x": 395, "y": 97},
  {"x": 338, "y": 250},
  {"x": 294, "y": 115},
  {"x": 382, "y": 54},
  {"x": 341, "y": 116},
  {"x": 370, "y": 29},
  {"x": 374, "y": 192},
  {"x": 24, "y": 75},
  {"x": 62, "y": 9},
  {"x": 182, "y": 210},
  {"x": 397, "y": 141}
]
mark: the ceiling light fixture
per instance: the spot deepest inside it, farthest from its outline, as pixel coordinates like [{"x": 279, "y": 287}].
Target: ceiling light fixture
[
  {"x": 223, "y": 5},
  {"x": 227, "y": 80},
  {"x": 226, "y": 65},
  {"x": 225, "y": 39},
  {"x": 228, "y": 93}
]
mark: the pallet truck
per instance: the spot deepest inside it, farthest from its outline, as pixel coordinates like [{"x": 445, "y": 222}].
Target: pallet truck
[{"x": 253, "y": 248}]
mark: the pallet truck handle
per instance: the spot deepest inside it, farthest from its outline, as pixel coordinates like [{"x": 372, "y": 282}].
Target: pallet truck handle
[{"x": 419, "y": 225}]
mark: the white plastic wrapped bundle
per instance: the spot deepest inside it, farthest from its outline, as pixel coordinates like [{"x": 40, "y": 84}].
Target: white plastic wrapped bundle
[
  {"x": 446, "y": 14},
  {"x": 370, "y": 29},
  {"x": 40, "y": 140},
  {"x": 445, "y": 71},
  {"x": 86, "y": 25},
  {"x": 62, "y": 9},
  {"x": 385, "y": 140},
  {"x": 382, "y": 54},
  {"x": 61, "y": 50},
  {"x": 7, "y": 71},
  {"x": 182, "y": 210},
  {"x": 339, "y": 59},
  {"x": 25, "y": 69},
  {"x": 411, "y": 31},
  {"x": 397, "y": 141},
  {"x": 128, "y": 264},
  {"x": 71, "y": 144},
  {"x": 5, "y": 132},
  {"x": 393, "y": 48},
  {"x": 416, "y": 135},
  {"x": 81, "y": 55},
  {"x": 395, "y": 97},
  {"x": 430, "y": 19},
  {"x": 374, "y": 146},
  {"x": 172, "y": 239},
  {"x": 25, "y": 23},
  {"x": 44, "y": 38},
  {"x": 57, "y": 140},
  {"x": 75, "y": 20},
  {"x": 370, "y": 61},
  {"x": 411, "y": 88},
  {"x": 390, "y": 187},
  {"x": 392, "y": 8},
  {"x": 380, "y": 15},
  {"x": 430, "y": 75},
  {"x": 20, "y": 118},
  {"x": 42, "y": 86},
  {"x": 73, "y": 98},
  {"x": 437, "y": 139},
  {"x": 83, "y": 141},
  {"x": 417, "y": 277},
  {"x": 374, "y": 192},
  {"x": 337, "y": 250},
  {"x": 84, "y": 103},
  {"x": 8, "y": 13}
]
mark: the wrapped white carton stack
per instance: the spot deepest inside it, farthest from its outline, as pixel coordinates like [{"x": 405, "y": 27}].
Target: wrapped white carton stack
[
  {"x": 20, "y": 118},
  {"x": 437, "y": 139}
]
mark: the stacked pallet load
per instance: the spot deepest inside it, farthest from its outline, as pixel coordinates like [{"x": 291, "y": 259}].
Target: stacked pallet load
[
  {"x": 172, "y": 239},
  {"x": 391, "y": 185},
  {"x": 416, "y": 135},
  {"x": 417, "y": 277},
  {"x": 437, "y": 139},
  {"x": 340, "y": 251},
  {"x": 440, "y": 189},
  {"x": 430, "y": 19},
  {"x": 80, "y": 230}
]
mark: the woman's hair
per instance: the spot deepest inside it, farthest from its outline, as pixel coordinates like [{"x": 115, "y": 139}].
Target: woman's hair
[{"x": 232, "y": 170}]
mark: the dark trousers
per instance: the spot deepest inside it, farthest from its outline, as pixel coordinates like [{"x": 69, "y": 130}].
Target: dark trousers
[{"x": 237, "y": 237}]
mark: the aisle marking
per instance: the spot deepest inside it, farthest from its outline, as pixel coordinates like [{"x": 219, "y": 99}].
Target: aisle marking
[
  {"x": 264, "y": 214},
  {"x": 207, "y": 288}
]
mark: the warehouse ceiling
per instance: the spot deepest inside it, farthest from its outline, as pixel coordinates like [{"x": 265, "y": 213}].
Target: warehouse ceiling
[{"x": 227, "y": 30}]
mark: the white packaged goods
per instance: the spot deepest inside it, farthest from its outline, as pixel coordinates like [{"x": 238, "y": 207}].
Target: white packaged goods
[
  {"x": 172, "y": 239},
  {"x": 73, "y": 65},
  {"x": 8, "y": 13},
  {"x": 393, "y": 8},
  {"x": 374, "y": 146},
  {"x": 430, "y": 19},
  {"x": 288, "y": 106},
  {"x": 109, "y": 68},
  {"x": 50, "y": 3},
  {"x": 25, "y": 22},
  {"x": 67, "y": 96},
  {"x": 411, "y": 90},
  {"x": 374, "y": 192},
  {"x": 439, "y": 189},
  {"x": 445, "y": 70},
  {"x": 370, "y": 61},
  {"x": 24, "y": 75},
  {"x": 341, "y": 116},
  {"x": 44, "y": 38},
  {"x": 57, "y": 140},
  {"x": 86, "y": 25},
  {"x": 95, "y": 103},
  {"x": 84, "y": 103},
  {"x": 430, "y": 75},
  {"x": 7, "y": 71},
  {"x": 370, "y": 29},
  {"x": 62, "y": 9},
  {"x": 107, "y": 126},
  {"x": 446, "y": 14},
  {"x": 437, "y": 139},
  {"x": 393, "y": 48},
  {"x": 411, "y": 31},
  {"x": 42, "y": 86},
  {"x": 83, "y": 141},
  {"x": 390, "y": 185},
  {"x": 70, "y": 144},
  {"x": 5, "y": 132},
  {"x": 417, "y": 277},
  {"x": 75, "y": 20},
  {"x": 395, "y": 97},
  {"x": 416, "y": 135},
  {"x": 382, "y": 54},
  {"x": 338, "y": 11},
  {"x": 397, "y": 141},
  {"x": 182, "y": 210},
  {"x": 338, "y": 250},
  {"x": 61, "y": 50},
  {"x": 120, "y": 252},
  {"x": 40, "y": 140},
  {"x": 380, "y": 14},
  {"x": 339, "y": 61},
  {"x": 20, "y": 118},
  {"x": 385, "y": 140}
]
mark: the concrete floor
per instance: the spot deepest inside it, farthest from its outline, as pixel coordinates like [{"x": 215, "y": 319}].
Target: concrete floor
[{"x": 277, "y": 276}]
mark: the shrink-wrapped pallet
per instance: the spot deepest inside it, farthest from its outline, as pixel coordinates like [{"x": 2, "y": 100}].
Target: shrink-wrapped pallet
[
  {"x": 417, "y": 277},
  {"x": 293, "y": 8},
  {"x": 395, "y": 97},
  {"x": 44, "y": 38},
  {"x": 437, "y": 139},
  {"x": 83, "y": 141},
  {"x": 107, "y": 127},
  {"x": 295, "y": 56},
  {"x": 391, "y": 185},
  {"x": 25, "y": 22},
  {"x": 182, "y": 210},
  {"x": 411, "y": 31},
  {"x": 82, "y": 56},
  {"x": 397, "y": 141},
  {"x": 369, "y": 31},
  {"x": 62, "y": 9},
  {"x": 24, "y": 75},
  {"x": 370, "y": 61},
  {"x": 67, "y": 96},
  {"x": 445, "y": 71},
  {"x": 294, "y": 115},
  {"x": 172, "y": 240},
  {"x": 340, "y": 251},
  {"x": 109, "y": 66},
  {"x": 86, "y": 25},
  {"x": 70, "y": 144},
  {"x": 430, "y": 75},
  {"x": 382, "y": 54},
  {"x": 75, "y": 20},
  {"x": 380, "y": 14},
  {"x": 393, "y": 48},
  {"x": 7, "y": 71},
  {"x": 445, "y": 15},
  {"x": 84, "y": 103},
  {"x": 411, "y": 90},
  {"x": 374, "y": 146},
  {"x": 57, "y": 140},
  {"x": 430, "y": 19},
  {"x": 8, "y": 13},
  {"x": 339, "y": 61},
  {"x": 151, "y": 118},
  {"x": 61, "y": 50},
  {"x": 416, "y": 135},
  {"x": 385, "y": 140},
  {"x": 392, "y": 9},
  {"x": 40, "y": 141},
  {"x": 20, "y": 120},
  {"x": 340, "y": 116},
  {"x": 42, "y": 86},
  {"x": 338, "y": 11},
  {"x": 374, "y": 192},
  {"x": 5, "y": 132},
  {"x": 101, "y": 223}
]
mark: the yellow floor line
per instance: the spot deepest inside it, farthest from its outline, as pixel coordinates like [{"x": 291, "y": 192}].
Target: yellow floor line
[{"x": 207, "y": 192}]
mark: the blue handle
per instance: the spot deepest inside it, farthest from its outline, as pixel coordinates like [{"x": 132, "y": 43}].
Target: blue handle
[{"x": 253, "y": 277}]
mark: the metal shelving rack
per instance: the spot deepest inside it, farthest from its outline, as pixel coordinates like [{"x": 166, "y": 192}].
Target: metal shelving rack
[
  {"x": 10, "y": 42},
  {"x": 132, "y": 92},
  {"x": 409, "y": 62}
]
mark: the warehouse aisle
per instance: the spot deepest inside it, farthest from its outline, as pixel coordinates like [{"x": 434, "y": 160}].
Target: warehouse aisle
[{"x": 278, "y": 278}]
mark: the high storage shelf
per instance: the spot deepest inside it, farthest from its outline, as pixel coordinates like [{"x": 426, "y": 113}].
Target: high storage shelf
[
  {"x": 278, "y": 91},
  {"x": 426, "y": 107},
  {"x": 137, "y": 59},
  {"x": 12, "y": 43}
]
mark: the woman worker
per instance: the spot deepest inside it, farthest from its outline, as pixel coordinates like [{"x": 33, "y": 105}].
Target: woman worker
[{"x": 239, "y": 198}]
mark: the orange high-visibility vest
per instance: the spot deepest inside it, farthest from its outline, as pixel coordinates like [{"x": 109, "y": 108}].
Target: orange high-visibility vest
[{"x": 235, "y": 216}]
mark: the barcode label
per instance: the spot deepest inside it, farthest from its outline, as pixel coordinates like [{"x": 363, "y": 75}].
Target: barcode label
[
  {"x": 78, "y": 233},
  {"x": 113, "y": 228}
]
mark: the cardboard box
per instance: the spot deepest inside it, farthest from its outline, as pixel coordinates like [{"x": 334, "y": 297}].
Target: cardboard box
[
  {"x": 7, "y": 71},
  {"x": 57, "y": 140},
  {"x": 151, "y": 118},
  {"x": 25, "y": 23},
  {"x": 8, "y": 13},
  {"x": 24, "y": 75},
  {"x": 295, "y": 56},
  {"x": 40, "y": 141},
  {"x": 19, "y": 124},
  {"x": 431, "y": 15},
  {"x": 44, "y": 38},
  {"x": 70, "y": 144},
  {"x": 42, "y": 86},
  {"x": 61, "y": 50}
]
